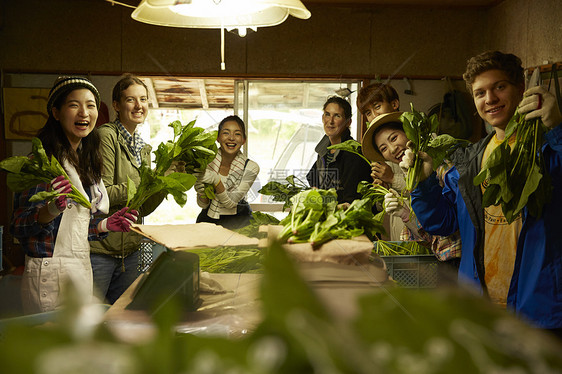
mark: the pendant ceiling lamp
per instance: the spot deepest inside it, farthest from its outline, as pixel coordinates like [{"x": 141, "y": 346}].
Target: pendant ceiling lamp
[{"x": 219, "y": 14}]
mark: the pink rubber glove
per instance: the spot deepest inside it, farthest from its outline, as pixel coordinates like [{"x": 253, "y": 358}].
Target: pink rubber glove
[
  {"x": 119, "y": 221},
  {"x": 62, "y": 186}
]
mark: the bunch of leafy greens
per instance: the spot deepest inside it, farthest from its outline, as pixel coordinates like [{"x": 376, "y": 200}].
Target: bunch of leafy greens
[
  {"x": 399, "y": 331},
  {"x": 410, "y": 248},
  {"x": 229, "y": 259},
  {"x": 258, "y": 219},
  {"x": 376, "y": 193},
  {"x": 27, "y": 172},
  {"x": 420, "y": 129},
  {"x": 209, "y": 191},
  {"x": 191, "y": 146},
  {"x": 175, "y": 184},
  {"x": 517, "y": 177},
  {"x": 284, "y": 191},
  {"x": 316, "y": 218},
  {"x": 352, "y": 146}
]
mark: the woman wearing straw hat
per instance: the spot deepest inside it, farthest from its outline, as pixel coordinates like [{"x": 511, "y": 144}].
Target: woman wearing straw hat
[{"x": 386, "y": 141}]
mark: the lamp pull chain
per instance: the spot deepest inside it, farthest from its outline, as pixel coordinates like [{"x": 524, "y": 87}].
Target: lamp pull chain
[{"x": 223, "y": 66}]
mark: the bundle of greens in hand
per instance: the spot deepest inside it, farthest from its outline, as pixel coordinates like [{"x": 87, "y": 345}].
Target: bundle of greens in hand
[
  {"x": 284, "y": 191},
  {"x": 374, "y": 192},
  {"x": 352, "y": 146},
  {"x": 517, "y": 177},
  {"x": 422, "y": 130},
  {"x": 27, "y": 172},
  {"x": 192, "y": 147}
]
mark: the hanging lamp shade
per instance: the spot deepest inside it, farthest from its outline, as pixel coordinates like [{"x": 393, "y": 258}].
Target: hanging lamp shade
[
  {"x": 219, "y": 14},
  {"x": 209, "y": 14}
]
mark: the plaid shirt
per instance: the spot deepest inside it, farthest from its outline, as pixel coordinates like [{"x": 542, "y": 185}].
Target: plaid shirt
[
  {"x": 38, "y": 240},
  {"x": 444, "y": 247},
  {"x": 134, "y": 142}
]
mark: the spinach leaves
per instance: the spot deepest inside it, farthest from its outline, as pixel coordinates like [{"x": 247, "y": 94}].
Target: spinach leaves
[
  {"x": 192, "y": 146},
  {"x": 516, "y": 177},
  {"x": 315, "y": 217},
  {"x": 284, "y": 191},
  {"x": 352, "y": 146},
  {"x": 420, "y": 129},
  {"x": 27, "y": 172}
]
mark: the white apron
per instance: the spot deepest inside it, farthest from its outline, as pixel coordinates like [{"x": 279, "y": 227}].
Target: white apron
[{"x": 44, "y": 277}]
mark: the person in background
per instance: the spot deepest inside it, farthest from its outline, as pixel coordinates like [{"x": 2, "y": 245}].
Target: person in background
[
  {"x": 384, "y": 143},
  {"x": 385, "y": 140},
  {"x": 55, "y": 235},
  {"x": 334, "y": 168},
  {"x": 372, "y": 101},
  {"x": 231, "y": 175},
  {"x": 518, "y": 265},
  {"x": 115, "y": 259}
]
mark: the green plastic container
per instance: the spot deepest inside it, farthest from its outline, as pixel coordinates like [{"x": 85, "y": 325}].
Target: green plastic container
[
  {"x": 419, "y": 271},
  {"x": 174, "y": 276}
]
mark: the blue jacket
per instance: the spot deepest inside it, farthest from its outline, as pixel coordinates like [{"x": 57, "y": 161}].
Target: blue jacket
[{"x": 535, "y": 291}]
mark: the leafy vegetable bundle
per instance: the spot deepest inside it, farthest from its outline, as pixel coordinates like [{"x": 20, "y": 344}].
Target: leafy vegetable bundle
[
  {"x": 229, "y": 259},
  {"x": 316, "y": 218},
  {"x": 175, "y": 184},
  {"x": 258, "y": 219},
  {"x": 419, "y": 128},
  {"x": 284, "y": 192},
  {"x": 25, "y": 172},
  {"x": 410, "y": 248},
  {"x": 375, "y": 193},
  {"x": 352, "y": 146},
  {"x": 517, "y": 177},
  {"x": 191, "y": 146}
]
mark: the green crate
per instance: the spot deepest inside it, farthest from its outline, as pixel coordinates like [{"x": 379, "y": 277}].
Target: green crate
[{"x": 419, "y": 271}]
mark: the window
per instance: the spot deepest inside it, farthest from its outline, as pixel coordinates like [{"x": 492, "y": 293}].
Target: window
[{"x": 283, "y": 120}]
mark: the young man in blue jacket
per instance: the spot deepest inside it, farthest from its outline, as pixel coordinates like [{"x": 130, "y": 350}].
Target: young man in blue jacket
[{"x": 518, "y": 265}]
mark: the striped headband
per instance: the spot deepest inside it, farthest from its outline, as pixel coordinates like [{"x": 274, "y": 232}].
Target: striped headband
[{"x": 64, "y": 85}]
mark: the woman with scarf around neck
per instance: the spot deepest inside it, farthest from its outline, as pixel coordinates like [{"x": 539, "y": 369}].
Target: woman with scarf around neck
[
  {"x": 115, "y": 259},
  {"x": 232, "y": 175},
  {"x": 55, "y": 235},
  {"x": 334, "y": 168}
]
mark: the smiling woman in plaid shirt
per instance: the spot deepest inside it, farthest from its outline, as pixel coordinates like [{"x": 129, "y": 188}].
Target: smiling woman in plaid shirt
[
  {"x": 55, "y": 235},
  {"x": 115, "y": 259}
]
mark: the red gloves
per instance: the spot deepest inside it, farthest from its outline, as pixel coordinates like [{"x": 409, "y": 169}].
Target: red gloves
[
  {"x": 119, "y": 221},
  {"x": 62, "y": 186}
]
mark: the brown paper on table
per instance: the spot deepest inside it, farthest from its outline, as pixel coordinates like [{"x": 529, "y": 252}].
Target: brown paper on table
[
  {"x": 355, "y": 251},
  {"x": 192, "y": 236}
]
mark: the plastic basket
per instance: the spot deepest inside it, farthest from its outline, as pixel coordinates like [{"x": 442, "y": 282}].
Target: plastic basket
[
  {"x": 149, "y": 252},
  {"x": 145, "y": 255},
  {"x": 418, "y": 271}
]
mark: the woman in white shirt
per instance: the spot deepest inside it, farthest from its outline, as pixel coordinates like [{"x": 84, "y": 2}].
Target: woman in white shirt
[{"x": 232, "y": 175}]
